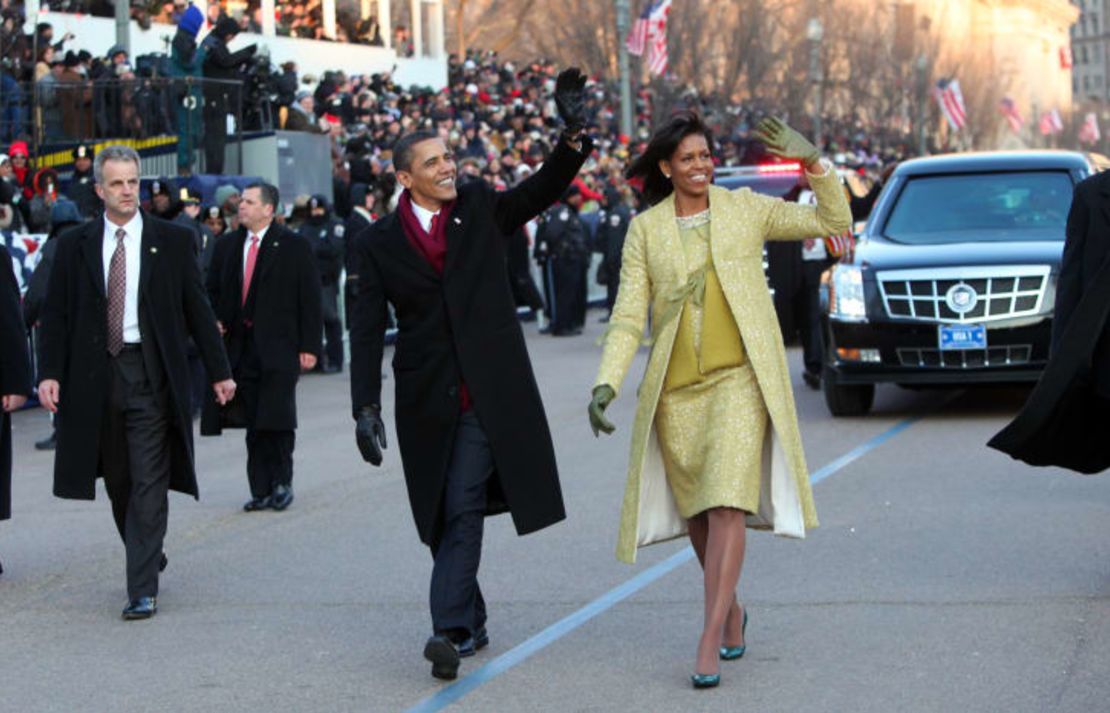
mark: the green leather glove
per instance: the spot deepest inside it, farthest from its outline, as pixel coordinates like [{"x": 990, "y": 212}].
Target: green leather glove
[
  {"x": 784, "y": 142},
  {"x": 603, "y": 396}
]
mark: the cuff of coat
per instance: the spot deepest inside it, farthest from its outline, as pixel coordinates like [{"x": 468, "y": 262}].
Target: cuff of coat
[{"x": 826, "y": 165}]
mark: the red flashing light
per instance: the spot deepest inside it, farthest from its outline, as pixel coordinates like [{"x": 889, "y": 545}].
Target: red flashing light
[{"x": 779, "y": 168}]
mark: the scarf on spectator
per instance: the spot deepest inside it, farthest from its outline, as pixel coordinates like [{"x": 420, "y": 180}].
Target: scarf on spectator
[{"x": 432, "y": 246}]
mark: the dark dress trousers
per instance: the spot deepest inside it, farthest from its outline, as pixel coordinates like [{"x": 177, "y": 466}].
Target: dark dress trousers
[
  {"x": 280, "y": 319},
  {"x": 1067, "y": 416},
  {"x": 15, "y": 371},
  {"x": 128, "y": 418}
]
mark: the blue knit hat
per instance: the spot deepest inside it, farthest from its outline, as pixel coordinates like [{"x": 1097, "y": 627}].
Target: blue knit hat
[{"x": 191, "y": 20}]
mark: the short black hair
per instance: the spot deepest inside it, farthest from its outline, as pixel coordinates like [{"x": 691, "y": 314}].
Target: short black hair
[
  {"x": 269, "y": 192},
  {"x": 402, "y": 150}
]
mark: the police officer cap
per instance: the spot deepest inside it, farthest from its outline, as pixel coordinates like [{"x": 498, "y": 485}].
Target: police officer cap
[
  {"x": 212, "y": 211},
  {"x": 83, "y": 151},
  {"x": 317, "y": 201},
  {"x": 159, "y": 187},
  {"x": 189, "y": 196}
]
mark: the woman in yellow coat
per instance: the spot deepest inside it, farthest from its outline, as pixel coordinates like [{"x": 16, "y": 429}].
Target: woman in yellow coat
[{"x": 715, "y": 444}]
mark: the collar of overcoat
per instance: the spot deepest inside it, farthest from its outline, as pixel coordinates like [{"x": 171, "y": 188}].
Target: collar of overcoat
[
  {"x": 92, "y": 248},
  {"x": 400, "y": 246}
]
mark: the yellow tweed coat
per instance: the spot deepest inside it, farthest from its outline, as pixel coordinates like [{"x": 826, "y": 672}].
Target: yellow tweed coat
[{"x": 654, "y": 271}]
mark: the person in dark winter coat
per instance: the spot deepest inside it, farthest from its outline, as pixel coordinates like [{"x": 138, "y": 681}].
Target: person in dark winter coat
[
  {"x": 15, "y": 375},
  {"x": 82, "y": 185},
  {"x": 324, "y": 232},
  {"x": 611, "y": 231},
  {"x": 562, "y": 241},
  {"x": 1067, "y": 416},
  {"x": 473, "y": 434},
  {"x": 186, "y": 61},
  {"x": 221, "y": 63}
]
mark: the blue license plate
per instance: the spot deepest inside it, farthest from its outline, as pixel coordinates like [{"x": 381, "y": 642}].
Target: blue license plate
[{"x": 956, "y": 337}]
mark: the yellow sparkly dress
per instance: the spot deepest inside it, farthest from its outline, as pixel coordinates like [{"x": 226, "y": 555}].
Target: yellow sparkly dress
[{"x": 711, "y": 419}]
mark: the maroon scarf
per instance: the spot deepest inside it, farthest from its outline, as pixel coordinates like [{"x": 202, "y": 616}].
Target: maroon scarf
[{"x": 433, "y": 246}]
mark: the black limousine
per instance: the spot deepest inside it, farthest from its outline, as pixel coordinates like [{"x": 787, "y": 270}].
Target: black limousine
[{"x": 953, "y": 280}]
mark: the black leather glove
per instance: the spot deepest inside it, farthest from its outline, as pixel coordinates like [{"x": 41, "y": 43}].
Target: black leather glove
[
  {"x": 570, "y": 99},
  {"x": 370, "y": 434},
  {"x": 603, "y": 395}
]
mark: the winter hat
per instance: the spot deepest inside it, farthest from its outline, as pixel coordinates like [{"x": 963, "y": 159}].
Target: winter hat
[
  {"x": 224, "y": 192},
  {"x": 19, "y": 148},
  {"x": 191, "y": 20}
]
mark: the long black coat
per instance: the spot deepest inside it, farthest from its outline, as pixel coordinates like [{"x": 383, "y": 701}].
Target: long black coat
[
  {"x": 15, "y": 371},
  {"x": 460, "y": 327},
  {"x": 74, "y": 334},
  {"x": 284, "y": 307},
  {"x": 1067, "y": 417}
]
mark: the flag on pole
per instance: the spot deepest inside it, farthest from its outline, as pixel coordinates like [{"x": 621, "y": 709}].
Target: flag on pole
[
  {"x": 951, "y": 101},
  {"x": 1088, "y": 132},
  {"x": 657, "y": 38},
  {"x": 1051, "y": 123},
  {"x": 638, "y": 35},
  {"x": 1066, "y": 60},
  {"x": 1010, "y": 111}
]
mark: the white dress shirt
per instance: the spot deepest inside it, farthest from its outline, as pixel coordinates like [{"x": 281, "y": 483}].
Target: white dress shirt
[
  {"x": 132, "y": 250},
  {"x": 247, "y": 248},
  {"x": 424, "y": 216}
]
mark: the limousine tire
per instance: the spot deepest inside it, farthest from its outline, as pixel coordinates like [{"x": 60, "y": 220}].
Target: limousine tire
[{"x": 848, "y": 399}]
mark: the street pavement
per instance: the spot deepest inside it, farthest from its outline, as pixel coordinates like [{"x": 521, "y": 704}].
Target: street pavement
[{"x": 944, "y": 577}]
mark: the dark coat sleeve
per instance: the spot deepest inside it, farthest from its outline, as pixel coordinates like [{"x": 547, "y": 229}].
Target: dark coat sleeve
[
  {"x": 1069, "y": 287},
  {"x": 15, "y": 363},
  {"x": 367, "y": 324},
  {"x": 40, "y": 280},
  {"x": 311, "y": 315},
  {"x": 515, "y": 207},
  {"x": 201, "y": 320}
]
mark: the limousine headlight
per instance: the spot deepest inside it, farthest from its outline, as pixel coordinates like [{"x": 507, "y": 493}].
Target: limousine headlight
[{"x": 846, "y": 294}]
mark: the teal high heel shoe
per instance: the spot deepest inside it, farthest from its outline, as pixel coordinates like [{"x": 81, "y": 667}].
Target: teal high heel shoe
[
  {"x": 706, "y": 680},
  {"x": 731, "y": 653}
]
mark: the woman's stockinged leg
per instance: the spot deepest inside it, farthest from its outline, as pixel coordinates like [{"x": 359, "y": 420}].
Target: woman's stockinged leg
[
  {"x": 724, "y": 558},
  {"x": 697, "y": 528}
]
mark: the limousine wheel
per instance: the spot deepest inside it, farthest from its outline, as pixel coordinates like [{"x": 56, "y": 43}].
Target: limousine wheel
[{"x": 848, "y": 399}]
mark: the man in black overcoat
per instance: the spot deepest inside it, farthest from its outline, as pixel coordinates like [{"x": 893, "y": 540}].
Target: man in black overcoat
[
  {"x": 473, "y": 434},
  {"x": 1067, "y": 417},
  {"x": 324, "y": 232},
  {"x": 265, "y": 288},
  {"x": 15, "y": 375},
  {"x": 123, "y": 300}
]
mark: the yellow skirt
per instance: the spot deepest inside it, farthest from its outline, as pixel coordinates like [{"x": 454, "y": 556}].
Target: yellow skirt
[{"x": 711, "y": 434}]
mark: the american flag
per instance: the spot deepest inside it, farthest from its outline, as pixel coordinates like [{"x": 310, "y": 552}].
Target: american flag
[
  {"x": 1010, "y": 111},
  {"x": 1066, "y": 60},
  {"x": 1089, "y": 133},
  {"x": 638, "y": 35},
  {"x": 951, "y": 101},
  {"x": 1051, "y": 123},
  {"x": 657, "y": 38}
]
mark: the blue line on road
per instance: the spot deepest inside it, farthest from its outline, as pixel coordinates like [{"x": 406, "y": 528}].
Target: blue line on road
[{"x": 454, "y": 692}]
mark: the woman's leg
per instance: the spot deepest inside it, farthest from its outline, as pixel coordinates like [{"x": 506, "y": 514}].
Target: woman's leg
[
  {"x": 698, "y": 529},
  {"x": 724, "y": 557}
]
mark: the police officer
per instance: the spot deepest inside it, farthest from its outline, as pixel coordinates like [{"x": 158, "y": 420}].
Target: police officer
[
  {"x": 325, "y": 234},
  {"x": 190, "y": 217},
  {"x": 562, "y": 245},
  {"x": 162, "y": 200},
  {"x": 611, "y": 230},
  {"x": 82, "y": 186}
]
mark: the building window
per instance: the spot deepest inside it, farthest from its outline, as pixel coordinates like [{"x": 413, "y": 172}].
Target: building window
[{"x": 1094, "y": 24}]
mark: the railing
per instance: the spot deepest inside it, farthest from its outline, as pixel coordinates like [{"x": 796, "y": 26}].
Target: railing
[{"x": 53, "y": 114}]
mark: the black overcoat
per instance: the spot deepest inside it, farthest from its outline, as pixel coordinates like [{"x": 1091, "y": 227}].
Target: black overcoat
[
  {"x": 283, "y": 306},
  {"x": 1066, "y": 420},
  {"x": 74, "y": 335},
  {"x": 15, "y": 371},
  {"x": 460, "y": 327}
]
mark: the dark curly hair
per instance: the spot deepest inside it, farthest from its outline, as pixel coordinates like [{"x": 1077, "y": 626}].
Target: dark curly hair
[{"x": 662, "y": 146}]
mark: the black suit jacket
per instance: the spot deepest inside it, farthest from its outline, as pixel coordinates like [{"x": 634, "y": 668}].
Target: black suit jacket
[
  {"x": 283, "y": 309},
  {"x": 74, "y": 335},
  {"x": 15, "y": 370},
  {"x": 461, "y": 326}
]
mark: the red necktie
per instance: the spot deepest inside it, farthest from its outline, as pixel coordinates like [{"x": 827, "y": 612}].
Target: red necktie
[
  {"x": 432, "y": 226},
  {"x": 252, "y": 258}
]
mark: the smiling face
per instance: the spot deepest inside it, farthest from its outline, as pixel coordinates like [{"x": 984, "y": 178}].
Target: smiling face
[
  {"x": 690, "y": 167},
  {"x": 431, "y": 176}
]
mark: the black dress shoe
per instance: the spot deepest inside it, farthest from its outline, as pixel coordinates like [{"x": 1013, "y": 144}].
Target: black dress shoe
[
  {"x": 163, "y": 562},
  {"x": 255, "y": 504},
  {"x": 141, "y": 608},
  {"x": 282, "y": 497},
  {"x": 444, "y": 657},
  {"x": 812, "y": 379},
  {"x": 474, "y": 644},
  {"x": 48, "y": 443}
]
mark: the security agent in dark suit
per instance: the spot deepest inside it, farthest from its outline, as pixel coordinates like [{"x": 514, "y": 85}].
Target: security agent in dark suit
[
  {"x": 265, "y": 288},
  {"x": 15, "y": 375},
  {"x": 474, "y": 438},
  {"x": 325, "y": 234},
  {"x": 114, "y": 368},
  {"x": 188, "y": 202}
]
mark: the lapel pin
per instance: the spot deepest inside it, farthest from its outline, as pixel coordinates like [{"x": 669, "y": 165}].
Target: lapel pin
[
  {"x": 154, "y": 250},
  {"x": 276, "y": 243},
  {"x": 458, "y": 221}
]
